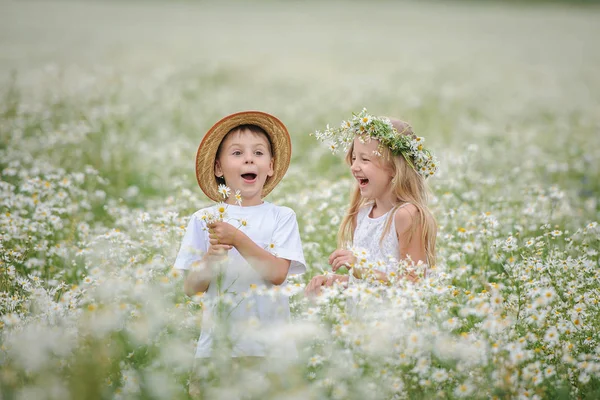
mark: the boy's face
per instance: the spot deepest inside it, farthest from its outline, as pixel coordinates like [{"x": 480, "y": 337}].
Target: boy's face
[{"x": 245, "y": 162}]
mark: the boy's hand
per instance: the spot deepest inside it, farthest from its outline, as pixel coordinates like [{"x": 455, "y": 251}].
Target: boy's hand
[
  {"x": 217, "y": 251},
  {"x": 342, "y": 258},
  {"x": 222, "y": 233}
]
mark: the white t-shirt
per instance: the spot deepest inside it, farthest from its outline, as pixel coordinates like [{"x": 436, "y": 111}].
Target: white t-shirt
[{"x": 271, "y": 227}]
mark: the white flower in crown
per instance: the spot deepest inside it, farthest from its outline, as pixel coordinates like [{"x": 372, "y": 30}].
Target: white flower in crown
[
  {"x": 334, "y": 148},
  {"x": 367, "y": 127},
  {"x": 365, "y": 120}
]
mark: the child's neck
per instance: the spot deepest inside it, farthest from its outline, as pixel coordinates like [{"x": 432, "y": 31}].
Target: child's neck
[{"x": 382, "y": 206}]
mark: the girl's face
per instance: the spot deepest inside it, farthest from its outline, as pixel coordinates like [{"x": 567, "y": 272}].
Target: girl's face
[
  {"x": 374, "y": 178},
  {"x": 245, "y": 163}
]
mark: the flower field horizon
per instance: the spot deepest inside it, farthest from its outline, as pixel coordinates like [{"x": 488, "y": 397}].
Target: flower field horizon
[{"x": 104, "y": 105}]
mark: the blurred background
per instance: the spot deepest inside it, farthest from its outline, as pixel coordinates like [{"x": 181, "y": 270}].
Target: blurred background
[
  {"x": 103, "y": 105},
  {"x": 459, "y": 71},
  {"x": 507, "y": 94}
]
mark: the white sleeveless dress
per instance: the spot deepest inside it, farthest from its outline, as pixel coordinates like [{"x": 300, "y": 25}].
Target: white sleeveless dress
[{"x": 380, "y": 254}]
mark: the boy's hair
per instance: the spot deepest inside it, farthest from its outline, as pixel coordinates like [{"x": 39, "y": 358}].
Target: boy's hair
[
  {"x": 255, "y": 129},
  {"x": 408, "y": 187}
]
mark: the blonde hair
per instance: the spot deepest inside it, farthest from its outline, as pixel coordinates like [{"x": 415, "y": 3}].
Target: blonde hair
[{"x": 408, "y": 187}]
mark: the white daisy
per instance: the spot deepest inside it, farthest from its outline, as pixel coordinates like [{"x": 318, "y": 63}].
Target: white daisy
[{"x": 224, "y": 191}]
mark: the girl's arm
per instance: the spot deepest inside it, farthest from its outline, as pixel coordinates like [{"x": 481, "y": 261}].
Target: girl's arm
[
  {"x": 410, "y": 239},
  {"x": 345, "y": 258},
  {"x": 341, "y": 257},
  {"x": 360, "y": 273},
  {"x": 315, "y": 284}
]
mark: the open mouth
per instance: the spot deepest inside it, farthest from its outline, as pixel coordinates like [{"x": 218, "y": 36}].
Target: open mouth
[
  {"x": 362, "y": 182},
  {"x": 249, "y": 178}
]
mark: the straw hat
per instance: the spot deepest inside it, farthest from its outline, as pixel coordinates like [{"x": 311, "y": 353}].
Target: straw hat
[{"x": 207, "y": 151}]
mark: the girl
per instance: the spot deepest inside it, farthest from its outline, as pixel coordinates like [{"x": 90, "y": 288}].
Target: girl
[{"x": 388, "y": 218}]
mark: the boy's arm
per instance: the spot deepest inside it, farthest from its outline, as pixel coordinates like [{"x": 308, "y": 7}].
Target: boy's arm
[
  {"x": 198, "y": 279},
  {"x": 273, "y": 269},
  {"x": 192, "y": 255}
]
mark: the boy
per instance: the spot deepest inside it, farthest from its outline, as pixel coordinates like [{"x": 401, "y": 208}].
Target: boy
[{"x": 249, "y": 152}]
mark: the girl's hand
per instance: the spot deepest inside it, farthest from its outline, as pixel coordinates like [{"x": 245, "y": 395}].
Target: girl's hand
[
  {"x": 314, "y": 286},
  {"x": 342, "y": 258},
  {"x": 221, "y": 233}
]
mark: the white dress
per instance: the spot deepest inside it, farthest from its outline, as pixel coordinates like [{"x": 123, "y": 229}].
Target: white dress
[
  {"x": 271, "y": 227},
  {"x": 381, "y": 254}
]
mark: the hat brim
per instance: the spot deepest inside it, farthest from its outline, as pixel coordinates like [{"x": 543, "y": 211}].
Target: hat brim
[{"x": 207, "y": 151}]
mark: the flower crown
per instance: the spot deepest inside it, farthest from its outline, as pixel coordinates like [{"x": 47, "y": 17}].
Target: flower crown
[{"x": 367, "y": 127}]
